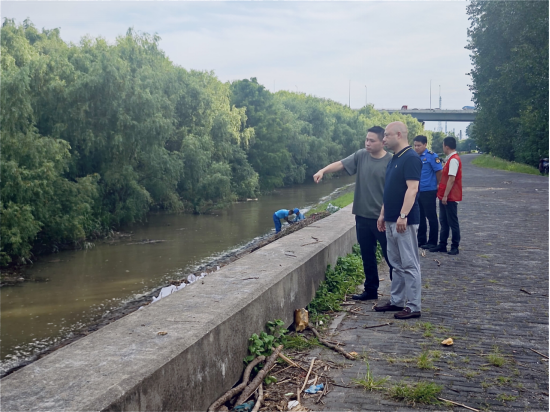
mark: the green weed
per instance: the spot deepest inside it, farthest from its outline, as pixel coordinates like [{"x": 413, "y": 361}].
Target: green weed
[
  {"x": 299, "y": 342},
  {"x": 424, "y": 361},
  {"x": 421, "y": 392},
  {"x": 339, "y": 282},
  {"x": 491, "y": 162},
  {"x": 369, "y": 382},
  {"x": 469, "y": 374},
  {"x": 506, "y": 398},
  {"x": 503, "y": 380},
  {"x": 495, "y": 358}
]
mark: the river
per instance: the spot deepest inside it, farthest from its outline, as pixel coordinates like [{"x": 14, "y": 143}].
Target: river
[{"x": 82, "y": 286}]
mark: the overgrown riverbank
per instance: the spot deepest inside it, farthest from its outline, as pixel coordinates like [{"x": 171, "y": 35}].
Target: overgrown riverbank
[{"x": 491, "y": 162}]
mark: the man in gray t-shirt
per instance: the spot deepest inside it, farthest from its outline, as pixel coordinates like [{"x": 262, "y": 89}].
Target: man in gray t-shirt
[{"x": 369, "y": 165}]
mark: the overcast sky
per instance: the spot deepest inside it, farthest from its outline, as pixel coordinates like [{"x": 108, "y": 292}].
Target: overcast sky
[{"x": 393, "y": 48}]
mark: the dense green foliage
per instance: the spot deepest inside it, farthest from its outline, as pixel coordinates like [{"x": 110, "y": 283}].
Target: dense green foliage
[
  {"x": 95, "y": 135},
  {"x": 509, "y": 45}
]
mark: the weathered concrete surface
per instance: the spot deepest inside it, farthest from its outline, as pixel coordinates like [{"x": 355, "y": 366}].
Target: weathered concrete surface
[
  {"x": 494, "y": 294},
  {"x": 128, "y": 366}
]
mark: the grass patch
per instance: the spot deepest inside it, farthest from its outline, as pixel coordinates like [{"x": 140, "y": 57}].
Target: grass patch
[
  {"x": 495, "y": 358},
  {"x": 341, "y": 201},
  {"x": 339, "y": 282},
  {"x": 469, "y": 374},
  {"x": 504, "y": 380},
  {"x": 491, "y": 162},
  {"x": 422, "y": 392},
  {"x": 425, "y": 361},
  {"x": 505, "y": 398},
  {"x": 369, "y": 382},
  {"x": 299, "y": 342}
]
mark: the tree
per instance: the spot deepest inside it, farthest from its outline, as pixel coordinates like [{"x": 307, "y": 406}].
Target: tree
[{"x": 509, "y": 51}]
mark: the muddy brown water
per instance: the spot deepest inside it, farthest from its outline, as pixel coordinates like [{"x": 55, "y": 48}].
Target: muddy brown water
[{"x": 83, "y": 286}]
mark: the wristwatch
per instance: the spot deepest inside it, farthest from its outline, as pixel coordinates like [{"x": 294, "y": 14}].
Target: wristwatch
[{"x": 403, "y": 216}]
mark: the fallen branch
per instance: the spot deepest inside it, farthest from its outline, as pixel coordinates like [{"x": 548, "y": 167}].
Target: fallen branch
[
  {"x": 323, "y": 392},
  {"x": 260, "y": 398},
  {"x": 307, "y": 376},
  {"x": 544, "y": 356},
  {"x": 329, "y": 345},
  {"x": 290, "y": 362},
  {"x": 438, "y": 262},
  {"x": 249, "y": 390},
  {"x": 237, "y": 389},
  {"x": 377, "y": 326},
  {"x": 523, "y": 290},
  {"x": 458, "y": 404}
]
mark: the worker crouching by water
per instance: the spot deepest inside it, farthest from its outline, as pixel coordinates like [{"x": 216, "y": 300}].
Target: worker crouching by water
[{"x": 283, "y": 214}]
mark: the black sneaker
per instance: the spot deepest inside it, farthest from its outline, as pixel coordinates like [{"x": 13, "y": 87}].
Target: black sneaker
[
  {"x": 406, "y": 313},
  {"x": 388, "y": 307},
  {"x": 439, "y": 248},
  {"x": 365, "y": 296},
  {"x": 427, "y": 246},
  {"x": 453, "y": 251}
]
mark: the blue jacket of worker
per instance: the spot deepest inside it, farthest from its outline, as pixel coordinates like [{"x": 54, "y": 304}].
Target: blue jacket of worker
[{"x": 431, "y": 163}]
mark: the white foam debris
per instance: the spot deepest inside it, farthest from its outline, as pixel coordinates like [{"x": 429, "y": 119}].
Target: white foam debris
[{"x": 168, "y": 290}]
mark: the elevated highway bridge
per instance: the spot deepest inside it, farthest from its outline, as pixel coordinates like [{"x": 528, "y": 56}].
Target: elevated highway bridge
[{"x": 437, "y": 115}]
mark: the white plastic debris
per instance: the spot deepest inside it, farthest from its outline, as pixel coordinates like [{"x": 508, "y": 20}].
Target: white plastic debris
[
  {"x": 168, "y": 290},
  {"x": 331, "y": 208},
  {"x": 292, "y": 404},
  {"x": 191, "y": 278}
]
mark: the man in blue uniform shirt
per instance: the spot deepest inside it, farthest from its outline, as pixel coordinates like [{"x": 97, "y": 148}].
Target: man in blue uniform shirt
[{"x": 431, "y": 174}]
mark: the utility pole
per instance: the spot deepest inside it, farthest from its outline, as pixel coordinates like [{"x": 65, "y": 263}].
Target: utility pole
[
  {"x": 366, "y": 96},
  {"x": 430, "y": 93},
  {"x": 439, "y": 123},
  {"x": 349, "y": 94}
]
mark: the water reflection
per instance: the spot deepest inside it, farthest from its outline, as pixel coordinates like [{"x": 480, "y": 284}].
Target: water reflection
[{"x": 83, "y": 285}]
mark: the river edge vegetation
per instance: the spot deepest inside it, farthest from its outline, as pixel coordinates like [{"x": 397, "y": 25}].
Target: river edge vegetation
[
  {"x": 95, "y": 135},
  {"x": 491, "y": 162}
]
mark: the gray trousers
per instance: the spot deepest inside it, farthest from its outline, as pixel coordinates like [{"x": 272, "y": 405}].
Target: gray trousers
[{"x": 403, "y": 256}]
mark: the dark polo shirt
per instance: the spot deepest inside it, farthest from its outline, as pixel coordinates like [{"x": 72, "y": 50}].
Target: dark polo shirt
[{"x": 405, "y": 165}]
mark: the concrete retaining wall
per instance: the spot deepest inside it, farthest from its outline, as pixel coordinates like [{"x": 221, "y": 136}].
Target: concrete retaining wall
[{"x": 128, "y": 366}]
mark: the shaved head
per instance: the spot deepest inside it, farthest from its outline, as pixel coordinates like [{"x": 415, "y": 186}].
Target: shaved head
[
  {"x": 396, "y": 136},
  {"x": 399, "y": 127}
]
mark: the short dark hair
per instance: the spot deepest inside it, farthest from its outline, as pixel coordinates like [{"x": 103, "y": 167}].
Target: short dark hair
[
  {"x": 422, "y": 139},
  {"x": 379, "y": 131},
  {"x": 450, "y": 142}
]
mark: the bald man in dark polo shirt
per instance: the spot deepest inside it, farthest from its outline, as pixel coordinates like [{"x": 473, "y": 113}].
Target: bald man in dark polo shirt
[{"x": 399, "y": 218}]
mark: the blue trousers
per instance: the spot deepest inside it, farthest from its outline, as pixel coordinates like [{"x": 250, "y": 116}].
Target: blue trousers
[{"x": 277, "y": 222}]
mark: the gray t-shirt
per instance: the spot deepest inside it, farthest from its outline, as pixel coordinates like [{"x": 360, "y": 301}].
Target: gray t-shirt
[{"x": 369, "y": 184}]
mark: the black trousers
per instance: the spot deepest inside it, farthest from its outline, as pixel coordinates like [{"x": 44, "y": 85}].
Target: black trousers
[
  {"x": 428, "y": 210},
  {"x": 368, "y": 236},
  {"x": 448, "y": 217}
]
